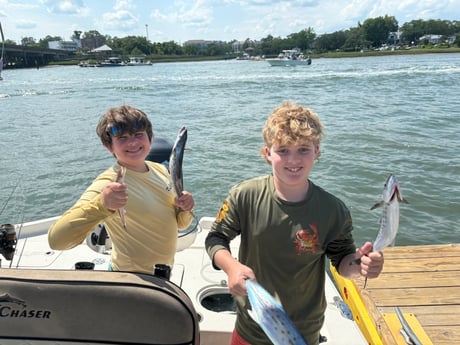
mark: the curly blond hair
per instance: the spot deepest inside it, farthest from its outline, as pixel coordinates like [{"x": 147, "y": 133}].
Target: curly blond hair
[{"x": 291, "y": 123}]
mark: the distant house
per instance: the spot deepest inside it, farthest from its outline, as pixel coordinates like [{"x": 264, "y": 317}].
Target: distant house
[
  {"x": 431, "y": 39},
  {"x": 93, "y": 42},
  {"x": 65, "y": 45},
  {"x": 394, "y": 38},
  {"x": 200, "y": 43},
  {"x": 239, "y": 46}
]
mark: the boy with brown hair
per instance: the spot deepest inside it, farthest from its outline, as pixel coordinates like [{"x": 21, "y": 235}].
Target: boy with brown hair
[{"x": 134, "y": 199}]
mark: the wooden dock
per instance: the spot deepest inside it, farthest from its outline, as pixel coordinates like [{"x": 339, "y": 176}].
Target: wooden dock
[{"x": 424, "y": 282}]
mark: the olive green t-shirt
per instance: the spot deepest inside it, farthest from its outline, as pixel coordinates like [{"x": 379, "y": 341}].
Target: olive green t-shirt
[{"x": 285, "y": 244}]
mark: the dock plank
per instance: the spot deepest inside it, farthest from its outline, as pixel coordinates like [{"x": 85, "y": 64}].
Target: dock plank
[
  {"x": 414, "y": 279},
  {"x": 424, "y": 281}
]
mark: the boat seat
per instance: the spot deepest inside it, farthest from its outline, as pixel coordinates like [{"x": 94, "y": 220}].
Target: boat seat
[{"x": 93, "y": 307}]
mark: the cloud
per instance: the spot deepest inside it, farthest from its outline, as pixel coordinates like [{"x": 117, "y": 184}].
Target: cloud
[
  {"x": 198, "y": 14},
  {"x": 25, "y": 24},
  {"x": 123, "y": 5},
  {"x": 76, "y": 7},
  {"x": 120, "y": 20}
]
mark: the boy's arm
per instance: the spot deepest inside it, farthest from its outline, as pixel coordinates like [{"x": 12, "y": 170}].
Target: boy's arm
[
  {"x": 71, "y": 229},
  {"x": 237, "y": 272}
]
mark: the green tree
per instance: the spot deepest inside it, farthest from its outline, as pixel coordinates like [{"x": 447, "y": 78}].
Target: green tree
[
  {"x": 412, "y": 31},
  {"x": 127, "y": 44},
  {"x": 43, "y": 43},
  {"x": 376, "y": 30},
  {"x": 355, "y": 40},
  {"x": 76, "y": 35},
  {"x": 303, "y": 39},
  {"x": 331, "y": 42},
  {"x": 191, "y": 50},
  {"x": 457, "y": 40},
  {"x": 92, "y": 34},
  {"x": 28, "y": 42}
]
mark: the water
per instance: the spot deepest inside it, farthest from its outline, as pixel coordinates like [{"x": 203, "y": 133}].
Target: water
[{"x": 382, "y": 115}]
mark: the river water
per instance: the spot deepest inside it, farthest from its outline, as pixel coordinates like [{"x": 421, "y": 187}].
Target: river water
[{"x": 383, "y": 115}]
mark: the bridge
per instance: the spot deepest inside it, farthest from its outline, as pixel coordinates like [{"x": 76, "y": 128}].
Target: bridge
[{"x": 16, "y": 56}]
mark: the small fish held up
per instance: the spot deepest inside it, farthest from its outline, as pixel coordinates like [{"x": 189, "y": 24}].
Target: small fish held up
[
  {"x": 389, "y": 222},
  {"x": 175, "y": 161}
]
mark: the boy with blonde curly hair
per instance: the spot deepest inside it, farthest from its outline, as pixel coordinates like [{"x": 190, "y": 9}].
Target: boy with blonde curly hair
[{"x": 288, "y": 226}]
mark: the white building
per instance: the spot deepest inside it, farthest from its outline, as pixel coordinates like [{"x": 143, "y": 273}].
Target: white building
[{"x": 65, "y": 45}]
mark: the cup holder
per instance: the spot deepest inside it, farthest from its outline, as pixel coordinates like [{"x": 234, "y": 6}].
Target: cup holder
[{"x": 217, "y": 299}]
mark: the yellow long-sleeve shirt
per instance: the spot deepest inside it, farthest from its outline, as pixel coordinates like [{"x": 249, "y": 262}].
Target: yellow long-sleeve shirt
[{"x": 152, "y": 220}]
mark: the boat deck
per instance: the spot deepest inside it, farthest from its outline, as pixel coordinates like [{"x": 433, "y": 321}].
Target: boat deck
[{"x": 423, "y": 281}]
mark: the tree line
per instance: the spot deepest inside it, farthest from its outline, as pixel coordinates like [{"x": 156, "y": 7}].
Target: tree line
[{"x": 371, "y": 34}]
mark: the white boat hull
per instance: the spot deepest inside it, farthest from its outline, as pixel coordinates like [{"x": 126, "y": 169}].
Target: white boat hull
[
  {"x": 192, "y": 272},
  {"x": 287, "y": 62}
]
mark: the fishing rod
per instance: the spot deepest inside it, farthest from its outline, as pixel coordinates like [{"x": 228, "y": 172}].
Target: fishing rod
[
  {"x": 3, "y": 50},
  {"x": 8, "y": 234}
]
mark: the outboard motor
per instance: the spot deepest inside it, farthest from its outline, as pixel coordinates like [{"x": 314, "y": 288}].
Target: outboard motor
[
  {"x": 8, "y": 240},
  {"x": 160, "y": 151}
]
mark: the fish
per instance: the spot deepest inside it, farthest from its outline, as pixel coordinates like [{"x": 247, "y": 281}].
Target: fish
[
  {"x": 122, "y": 211},
  {"x": 389, "y": 222},
  {"x": 175, "y": 161},
  {"x": 271, "y": 317}
]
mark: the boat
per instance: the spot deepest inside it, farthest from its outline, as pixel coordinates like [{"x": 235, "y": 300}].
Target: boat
[
  {"x": 112, "y": 62},
  {"x": 138, "y": 61},
  {"x": 290, "y": 57},
  {"x": 89, "y": 64},
  {"x": 75, "y": 285}
]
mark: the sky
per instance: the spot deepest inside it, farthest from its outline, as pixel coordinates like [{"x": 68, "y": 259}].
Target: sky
[{"x": 221, "y": 20}]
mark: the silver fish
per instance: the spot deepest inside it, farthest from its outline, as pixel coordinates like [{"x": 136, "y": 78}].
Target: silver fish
[
  {"x": 175, "y": 161},
  {"x": 122, "y": 211},
  {"x": 389, "y": 223},
  {"x": 271, "y": 317}
]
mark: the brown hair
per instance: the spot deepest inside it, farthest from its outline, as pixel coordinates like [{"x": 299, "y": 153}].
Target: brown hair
[{"x": 120, "y": 120}]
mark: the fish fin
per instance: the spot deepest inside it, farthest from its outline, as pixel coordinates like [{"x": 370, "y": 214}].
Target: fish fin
[
  {"x": 403, "y": 201},
  {"x": 377, "y": 204},
  {"x": 253, "y": 315},
  {"x": 277, "y": 300}
]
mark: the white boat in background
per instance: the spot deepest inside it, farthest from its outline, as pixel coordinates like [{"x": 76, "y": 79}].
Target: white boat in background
[
  {"x": 290, "y": 57},
  {"x": 35, "y": 281},
  {"x": 138, "y": 61},
  {"x": 112, "y": 62}
]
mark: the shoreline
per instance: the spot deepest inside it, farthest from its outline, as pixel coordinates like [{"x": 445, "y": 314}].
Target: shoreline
[{"x": 334, "y": 55}]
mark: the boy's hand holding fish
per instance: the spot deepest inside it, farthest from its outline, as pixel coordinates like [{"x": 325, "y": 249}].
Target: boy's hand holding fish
[
  {"x": 185, "y": 201},
  {"x": 364, "y": 262},
  {"x": 115, "y": 195}
]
